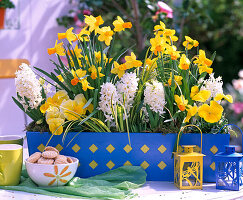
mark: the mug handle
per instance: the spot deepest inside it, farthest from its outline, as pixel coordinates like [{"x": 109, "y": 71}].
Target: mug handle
[{"x": 1, "y": 174}]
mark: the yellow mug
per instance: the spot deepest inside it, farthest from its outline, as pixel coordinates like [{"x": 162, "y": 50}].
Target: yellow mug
[
  {"x": 11, "y": 139},
  {"x": 11, "y": 160}
]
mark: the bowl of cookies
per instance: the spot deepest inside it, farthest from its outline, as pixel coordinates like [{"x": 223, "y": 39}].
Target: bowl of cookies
[{"x": 49, "y": 168}]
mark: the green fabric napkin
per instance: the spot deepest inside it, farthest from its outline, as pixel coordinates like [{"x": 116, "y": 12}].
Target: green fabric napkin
[{"x": 115, "y": 184}]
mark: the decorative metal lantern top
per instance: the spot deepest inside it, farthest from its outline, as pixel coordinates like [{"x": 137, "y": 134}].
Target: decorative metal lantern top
[{"x": 188, "y": 166}]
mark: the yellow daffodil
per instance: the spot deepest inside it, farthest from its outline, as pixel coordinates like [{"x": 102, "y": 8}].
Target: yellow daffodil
[
  {"x": 203, "y": 63},
  {"x": 120, "y": 25},
  {"x": 60, "y": 78},
  {"x": 178, "y": 80},
  {"x": 191, "y": 111},
  {"x": 79, "y": 77},
  {"x": 76, "y": 51},
  {"x": 157, "y": 44},
  {"x": 168, "y": 34},
  {"x": 212, "y": 113},
  {"x": 181, "y": 102},
  {"x": 119, "y": 69},
  {"x": 93, "y": 22},
  {"x": 55, "y": 125},
  {"x": 184, "y": 62},
  {"x": 227, "y": 97},
  {"x": 58, "y": 49},
  {"x": 159, "y": 29},
  {"x": 94, "y": 71},
  {"x": 132, "y": 62},
  {"x": 151, "y": 63},
  {"x": 83, "y": 35},
  {"x": 200, "y": 96},
  {"x": 98, "y": 57},
  {"x": 73, "y": 109},
  {"x": 189, "y": 43},
  {"x": 172, "y": 51},
  {"x": 85, "y": 85},
  {"x": 79, "y": 73},
  {"x": 105, "y": 35},
  {"x": 69, "y": 35}
]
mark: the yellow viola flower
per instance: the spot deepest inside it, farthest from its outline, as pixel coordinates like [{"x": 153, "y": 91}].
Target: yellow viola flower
[
  {"x": 227, "y": 97},
  {"x": 203, "y": 63},
  {"x": 157, "y": 44},
  {"x": 178, "y": 80},
  {"x": 120, "y": 25},
  {"x": 168, "y": 34},
  {"x": 194, "y": 91},
  {"x": 159, "y": 29},
  {"x": 60, "y": 78},
  {"x": 191, "y": 111},
  {"x": 69, "y": 35},
  {"x": 44, "y": 107},
  {"x": 54, "y": 112},
  {"x": 202, "y": 96},
  {"x": 105, "y": 35},
  {"x": 93, "y": 22},
  {"x": 83, "y": 35},
  {"x": 132, "y": 62},
  {"x": 98, "y": 57},
  {"x": 189, "y": 43},
  {"x": 55, "y": 125},
  {"x": 172, "y": 51},
  {"x": 212, "y": 113},
  {"x": 73, "y": 109},
  {"x": 119, "y": 69},
  {"x": 181, "y": 102},
  {"x": 58, "y": 49},
  {"x": 93, "y": 71},
  {"x": 184, "y": 62}
]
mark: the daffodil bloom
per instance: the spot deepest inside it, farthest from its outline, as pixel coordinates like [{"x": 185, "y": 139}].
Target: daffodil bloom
[
  {"x": 171, "y": 50},
  {"x": 74, "y": 109},
  {"x": 60, "y": 78},
  {"x": 69, "y": 35},
  {"x": 151, "y": 63},
  {"x": 212, "y": 113},
  {"x": 94, "y": 71},
  {"x": 105, "y": 35},
  {"x": 83, "y": 35},
  {"x": 85, "y": 85},
  {"x": 74, "y": 81},
  {"x": 79, "y": 73},
  {"x": 98, "y": 57},
  {"x": 178, "y": 80},
  {"x": 227, "y": 97},
  {"x": 79, "y": 77},
  {"x": 120, "y": 25},
  {"x": 168, "y": 34},
  {"x": 159, "y": 29},
  {"x": 184, "y": 62},
  {"x": 194, "y": 91},
  {"x": 58, "y": 49},
  {"x": 132, "y": 62},
  {"x": 157, "y": 44},
  {"x": 203, "y": 63},
  {"x": 189, "y": 43},
  {"x": 76, "y": 51},
  {"x": 191, "y": 111},
  {"x": 181, "y": 102},
  {"x": 55, "y": 125},
  {"x": 119, "y": 69},
  {"x": 93, "y": 22}
]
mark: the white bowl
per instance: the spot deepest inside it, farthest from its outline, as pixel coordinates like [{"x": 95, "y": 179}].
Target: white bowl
[{"x": 51, "y": 175}]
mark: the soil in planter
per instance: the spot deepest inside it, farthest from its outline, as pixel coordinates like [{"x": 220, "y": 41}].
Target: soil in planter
[{"x": 43, "y": 127}]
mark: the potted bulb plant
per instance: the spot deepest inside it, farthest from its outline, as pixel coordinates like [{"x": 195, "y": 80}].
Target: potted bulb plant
[
  {"x": 4, "y": 4},
  {"x": 111, "y": 109}
]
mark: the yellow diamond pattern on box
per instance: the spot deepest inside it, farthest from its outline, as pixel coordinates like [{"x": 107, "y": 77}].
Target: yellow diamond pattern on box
[
  {"x": 59, "y": 147},
  {"x": 214, "y": 149},
  {"x": 162, "y": 149},
  {"x": 76, "y": 148},
  {"x": 41, "y": 147},
  {"x": 212, "y": 166},
  {"x": 162, "y": 165},
  {"x": 93, "y": 148},
  {"x": 110, "y": 148},
  {"x": 144, "y": 148},
  {"x": 144, "y": 165},
  {"x": 93, "y": 164},
  {"x": 127, "y": 163},
  {"x": 127, "y": 148},
  {"x": 110, "y": 164}
]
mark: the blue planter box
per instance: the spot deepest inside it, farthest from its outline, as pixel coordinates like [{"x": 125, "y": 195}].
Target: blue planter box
[{"x": 100, "y": 152}]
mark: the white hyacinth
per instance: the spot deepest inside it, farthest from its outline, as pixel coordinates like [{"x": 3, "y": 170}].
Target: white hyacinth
[
  {"x": 127, "y": 88},
  {"x": 215, "y": 85},
  {"x": 154, "y": 96},
  {"x": 108, "y": 95},
  {"x": 27, "y": 85}
]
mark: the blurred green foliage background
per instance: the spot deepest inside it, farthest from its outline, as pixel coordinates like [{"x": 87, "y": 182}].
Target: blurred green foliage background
[{"x": 217, "y": 25}]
